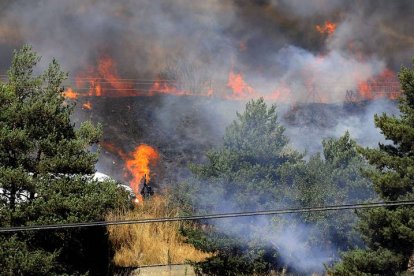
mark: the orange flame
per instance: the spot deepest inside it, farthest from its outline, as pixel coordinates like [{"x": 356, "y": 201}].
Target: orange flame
[
  {"x": 139, "y": 165},
  {"x": 239, "y": 86},
  {"x": 380, "y": 86},
  {"x": 328, "y": 28},
  {"x": 166, "y": 87},
  {"x": 242, "y": 46},
  {"x": 101, "y": 81},
  {"x": 87, "y": 105},
  {"x": 70, "y": 94}
]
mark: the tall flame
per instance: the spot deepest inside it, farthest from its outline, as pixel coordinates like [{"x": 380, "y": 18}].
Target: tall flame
[{"x": 139, "y": 165}]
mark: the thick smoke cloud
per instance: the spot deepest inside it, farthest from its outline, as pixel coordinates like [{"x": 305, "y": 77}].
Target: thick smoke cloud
[
  {"x": 210, "y": 38},
  {"x": 273, "y": 43}
]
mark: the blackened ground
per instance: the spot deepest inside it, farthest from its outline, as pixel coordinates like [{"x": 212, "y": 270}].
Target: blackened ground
[{"x": 183, "y": 128}]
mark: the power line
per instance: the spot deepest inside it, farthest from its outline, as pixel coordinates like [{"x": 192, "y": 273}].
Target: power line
[
  {"x": 210, "y": 216},
  {"x": 105, "y": 79}
]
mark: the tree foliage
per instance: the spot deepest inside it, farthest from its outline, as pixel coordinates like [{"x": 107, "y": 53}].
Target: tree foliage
[
  {"x": 46, "y": 176},
  {"x": 256, "y": 169},
  {"x": 389, "y": 232}
]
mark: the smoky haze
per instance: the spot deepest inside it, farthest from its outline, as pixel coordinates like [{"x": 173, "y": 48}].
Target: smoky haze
[
  {"x": 273, "y": 44},
  {"x": 272, "y": 48}
]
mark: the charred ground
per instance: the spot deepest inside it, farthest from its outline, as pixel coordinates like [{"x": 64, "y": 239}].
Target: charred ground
[{"x": 184, "y": 128}]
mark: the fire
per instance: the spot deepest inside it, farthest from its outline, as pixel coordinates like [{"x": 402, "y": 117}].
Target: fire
[
  {"x": 9, "y": 35},
  {"x": 87, "y": 105},
  {"x": 70, "y": 94},
  {"x": 166, "y": 87},
  {"x": 328, "y": 28},
  {"x": 139, "y": 164},
  {"x": 385, "y": 85},
  {"x": 104, "y": 80},
  {"x": 282, "y": 93},
  {"x": 239, "y": 86}
]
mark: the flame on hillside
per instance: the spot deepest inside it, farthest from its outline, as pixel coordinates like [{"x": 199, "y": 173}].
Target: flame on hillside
[
  {"x": 327, "y": 28},
  {"x": 138, "y": 164},
  {"x": 385, "y": 85},
  {"x": 239, "y": 86},
  {"x": 166, "y": 87},
  {"x": 70, "y": 94},
  {"x": 104, "y": 81},
  {"x": 87, "y": 105}
]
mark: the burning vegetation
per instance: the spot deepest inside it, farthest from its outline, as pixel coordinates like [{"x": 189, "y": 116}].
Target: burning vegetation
[
  {"x": 328, "y": 28},
  {"x": 138, "y": 166},
  {"x": 165, "y": 91},
  {"x": 104, "y": 81}
]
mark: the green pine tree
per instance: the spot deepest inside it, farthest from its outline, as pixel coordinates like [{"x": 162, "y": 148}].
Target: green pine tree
[
  {"x": 389, "y": 232},
  {"x": 46, "y": 177},
  {"x": 246, "y": 169},
  {"x": 255, "y": 169},
  {"x": 243, "y": 174}
]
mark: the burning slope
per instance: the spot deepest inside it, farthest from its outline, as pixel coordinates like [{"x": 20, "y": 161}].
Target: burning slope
[
  {"x": 166, "y": 87},
  {"x": 102, "y": 81},
  {"x": 311, "y": 83}
]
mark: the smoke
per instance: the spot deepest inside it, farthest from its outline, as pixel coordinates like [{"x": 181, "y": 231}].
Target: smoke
[
  {"x": 311, "y": 8},
  {"x": 272, "y": 45},
  {"x": 301, "y": 246},
  {"x": 309, "y": 125},
  {"x": 269, "y": 42}
]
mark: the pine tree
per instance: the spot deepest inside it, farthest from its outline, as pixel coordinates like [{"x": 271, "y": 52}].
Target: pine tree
[
  {"x": 255, "y": 169},
  {"x": 46, "y": 176},
  {"x": 245, "y": 170},
  {"x": 389, "y": 232},
  {"x": 243, "y": 174}
]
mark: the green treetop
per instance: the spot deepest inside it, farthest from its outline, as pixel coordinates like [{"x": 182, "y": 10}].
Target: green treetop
[
  {"x": 46, "y": 176},
  {"x": 389, "y": 232}
]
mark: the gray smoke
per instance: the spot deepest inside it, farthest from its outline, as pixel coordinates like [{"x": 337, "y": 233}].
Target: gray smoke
[
  {"x": 273, "y": 44},
  {"x": 313, "y": 123}
]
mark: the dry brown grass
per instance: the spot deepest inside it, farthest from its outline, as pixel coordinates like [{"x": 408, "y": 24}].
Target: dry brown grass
[{"x": 150, "y": 243}]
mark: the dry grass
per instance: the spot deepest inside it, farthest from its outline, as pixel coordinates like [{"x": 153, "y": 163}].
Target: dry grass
[{"x": 151, "y": 243}]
